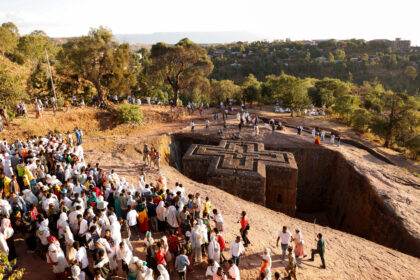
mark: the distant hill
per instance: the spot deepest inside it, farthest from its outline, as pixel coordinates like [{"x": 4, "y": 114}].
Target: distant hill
[{"x": 197, "y": 37}]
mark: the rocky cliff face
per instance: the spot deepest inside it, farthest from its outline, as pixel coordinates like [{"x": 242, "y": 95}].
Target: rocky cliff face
[{"x": 328, "y": 182}]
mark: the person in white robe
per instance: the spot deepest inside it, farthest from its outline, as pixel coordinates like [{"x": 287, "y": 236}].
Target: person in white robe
[
  {"x": 62, "y": 224},
  {"x": 203, "y": 230},
  {"x": 29, "y": 197},
  {"x": 115, "y": 230},
  {"x": 3, "y": 244},
  {"x": 73, "y": 218},
  {"x": 145, "y": 273},
  {"x": 55, "y": 256},
  {"x": 124, "y": 253},
  {"x": 172, "y": 219},
  {"x": 220, "y": 222},
  {"x": 77, "y": 273},
  {"x": 213, "y": 250},
  {"x": 68, "y": 240},
  {"x": 43, "y": 232},
  {"x": 161, "y": 211},
  {"x": 8, "y": 167},
  {"x": 164, "y": 275},
  {"x": 196, "y": 243}
]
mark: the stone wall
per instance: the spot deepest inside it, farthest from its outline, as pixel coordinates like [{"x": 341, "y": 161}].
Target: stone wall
[{"x": 247, "y": 170}]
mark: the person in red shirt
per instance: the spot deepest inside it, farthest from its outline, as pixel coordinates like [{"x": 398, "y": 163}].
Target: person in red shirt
[
  {"x": 244, "y": 229},
  {"x": 221, "y": 241},
  {"x": 173, "y": 243},
  {"x": 98, "y": 191},
  {"x": 160, "y": 254}
]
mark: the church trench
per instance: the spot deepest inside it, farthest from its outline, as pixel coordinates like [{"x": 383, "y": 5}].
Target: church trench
[{"x": 328, "y": 184}]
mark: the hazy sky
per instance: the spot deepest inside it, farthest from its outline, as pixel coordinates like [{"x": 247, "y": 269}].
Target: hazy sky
[{"x": 280, "y": 19}]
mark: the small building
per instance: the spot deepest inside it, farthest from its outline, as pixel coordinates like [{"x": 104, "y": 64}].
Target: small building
[{"x": 400, "y": 45}]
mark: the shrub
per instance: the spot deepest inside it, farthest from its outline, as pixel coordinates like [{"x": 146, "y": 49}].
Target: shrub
[
  {"x": 414, "y": 146},
  {"x": 129, "y": 113},
  {"x": 60, "y": 102},
  {"x": 9, "y": 270}
]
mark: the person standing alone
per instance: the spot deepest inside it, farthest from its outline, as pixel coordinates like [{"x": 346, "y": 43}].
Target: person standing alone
[
  {"x": 284, "y": 236},
  {"x": 244, "y": 229},
  {"x": 320, "y": 249}
]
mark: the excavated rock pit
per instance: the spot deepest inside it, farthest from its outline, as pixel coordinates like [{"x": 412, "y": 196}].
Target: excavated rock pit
[{"x": 328, "y": 183}]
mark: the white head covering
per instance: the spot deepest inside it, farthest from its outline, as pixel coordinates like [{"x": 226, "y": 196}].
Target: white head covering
[
  {"x": 163, "y": 272},
  {"x": 102, "y": 205},
  {"x": 75, "y": 271}
]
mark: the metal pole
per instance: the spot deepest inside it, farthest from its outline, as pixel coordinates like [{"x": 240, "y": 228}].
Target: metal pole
[{"x": 52, "y": 81}]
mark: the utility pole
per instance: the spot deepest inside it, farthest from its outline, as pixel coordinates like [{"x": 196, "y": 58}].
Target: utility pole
[{"x": 52, "y": 83}]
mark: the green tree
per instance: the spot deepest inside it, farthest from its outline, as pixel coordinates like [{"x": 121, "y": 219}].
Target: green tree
[
  {"x": 399, "y": 118},
  {"x": 11, "y": 88},
  {"x": 99, "y": 59},
  {"x": 325, "y": 91},
  {"x": 360, "y": 119},
  {"x": 251, "y": 89},
  {"x": 410, "y": 72},
  {"x": 340, "y": 54},
  {"x": 308, "y": 57},
  {"x": 223, "y": 90},
  {"x": 33, "y": 46},
  {"x": 38, "y": 81},
  {"x": 373, "y": 97},
  {"x": 180, "y": 65},
  {"x": 330, "y": 58},
  {"x": 345, "y": 105},
  {"x": 365, "y": 58},
  {"x": 392, "y": 62},
  {"x": 413, "y": 145},
  {"x": 9, "y": 36},
  {"x": 290, "y": 91}
]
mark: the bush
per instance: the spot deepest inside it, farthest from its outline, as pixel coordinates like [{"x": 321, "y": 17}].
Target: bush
[
  {"x": 414, "y": 146},
  {"x": 9, "y": 269},
  {"x": 129, "y": 113},
  {"x": 60, "y": 102}
]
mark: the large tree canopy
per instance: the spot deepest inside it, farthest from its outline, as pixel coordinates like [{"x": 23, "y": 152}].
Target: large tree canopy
[
  {"x": 99, "y": 59},
  {"x": 32, "y": 47},
  {"x": 9, "y": 36},
  {"x": 223, "y": 90},
  {"x": 181, "y": 65},
  {"x": 11, "y": 88},
  {"x": 289, "y": 90}
]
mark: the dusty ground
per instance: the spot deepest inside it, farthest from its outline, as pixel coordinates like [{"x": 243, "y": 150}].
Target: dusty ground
[{"x": 347, "y": 256}]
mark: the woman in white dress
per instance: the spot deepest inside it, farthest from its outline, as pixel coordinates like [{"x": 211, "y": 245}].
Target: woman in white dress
[
  {"x": 213, "y": 250},
  {"x": 55, "y": 256}
]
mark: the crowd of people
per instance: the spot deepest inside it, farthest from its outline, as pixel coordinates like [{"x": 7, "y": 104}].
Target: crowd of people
[{"x": 82, "y": 219}]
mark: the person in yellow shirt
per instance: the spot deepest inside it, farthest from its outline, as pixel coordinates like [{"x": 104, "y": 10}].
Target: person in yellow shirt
[
  {"x": 4, "y": 183},
  {"x": 12, "y": 187},
  {"x": 207, "y": 206}
]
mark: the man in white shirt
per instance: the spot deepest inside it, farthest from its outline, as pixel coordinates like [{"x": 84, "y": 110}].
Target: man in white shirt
[
  {"x": 132, "y": 216},
  {"x": 83, "y": 228},
  {"x": 218, "y": 219},
  {"x": 73, "y": 219},
  {"x": 284, "y": 236},
  {"x": 82, "y": 259},
  {"x": 236, "y": 250},
  {"x": 233, "y": 272},
  {"x": 212, "y": 269}
]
